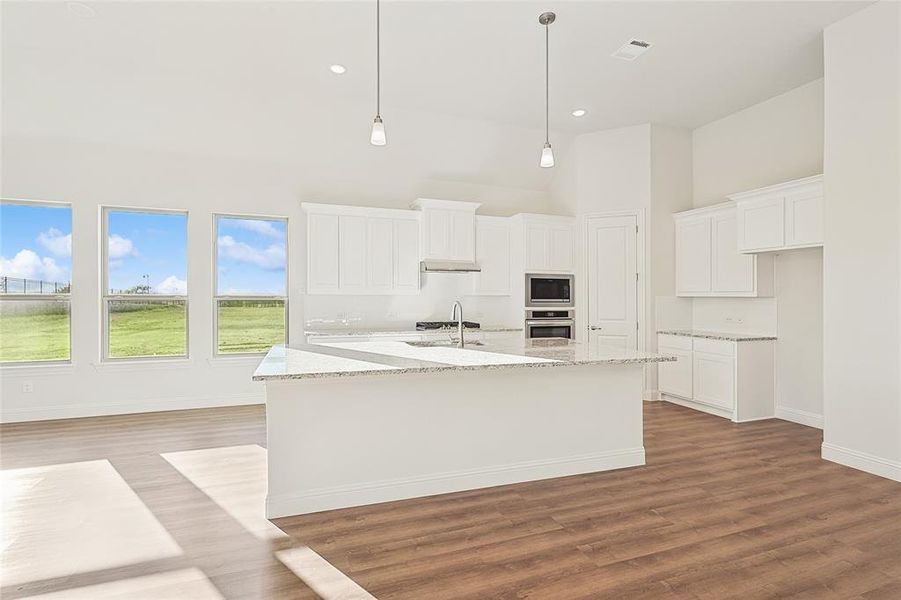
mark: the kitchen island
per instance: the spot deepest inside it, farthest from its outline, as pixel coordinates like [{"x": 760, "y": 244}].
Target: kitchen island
[{"x": 357, "y": 423}]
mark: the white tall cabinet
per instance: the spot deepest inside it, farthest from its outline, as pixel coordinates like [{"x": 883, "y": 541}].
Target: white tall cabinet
[
  {"x": 358, "y": 250},
  {"x": 548, "y": 242},
  {"x": 708, "y": 261}
]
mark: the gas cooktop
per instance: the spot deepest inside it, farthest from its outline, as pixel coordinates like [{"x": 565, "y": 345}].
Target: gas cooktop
[{"x": 424, "y": 325}]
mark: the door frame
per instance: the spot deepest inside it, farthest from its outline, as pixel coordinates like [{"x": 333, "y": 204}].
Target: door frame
[{"x": 641, "y": 264}]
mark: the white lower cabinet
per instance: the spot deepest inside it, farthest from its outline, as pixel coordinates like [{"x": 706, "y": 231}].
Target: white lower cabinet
[
  {"x": 713, "y": 381},
  {"x": 726, "y": 378}
]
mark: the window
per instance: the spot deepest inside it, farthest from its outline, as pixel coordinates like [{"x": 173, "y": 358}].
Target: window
[
  {"x": 145, "y": 303},
  {"x": 251, "y": 297},
  {"x": 35, "y": 274}
]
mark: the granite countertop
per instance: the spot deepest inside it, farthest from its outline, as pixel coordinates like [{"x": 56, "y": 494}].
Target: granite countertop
[
  {"x": 309, "y": 361},
  {"x": 718, "y": 335},
  {"x": 376, "y": 331}
]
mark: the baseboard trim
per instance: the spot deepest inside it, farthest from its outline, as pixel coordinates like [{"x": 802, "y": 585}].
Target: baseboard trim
[
  {"x": 801, "y": 417},
  {"x": 710, "y": 410},
  {"x": 875, "y": 465},
  {"x": 652, "y": 396},
  {"x": 286, "y": 504},
  {"x": 46, "y": 413}
]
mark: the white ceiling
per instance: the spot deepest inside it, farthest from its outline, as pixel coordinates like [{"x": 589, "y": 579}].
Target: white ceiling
[{"x": 473, "y": 59}]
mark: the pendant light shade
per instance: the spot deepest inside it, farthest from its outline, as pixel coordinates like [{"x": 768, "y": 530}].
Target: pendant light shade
[
  {"x": 547, "y": 156},
  {"x": 547, "y": 153},
  {"x": 377, "y": 135}
]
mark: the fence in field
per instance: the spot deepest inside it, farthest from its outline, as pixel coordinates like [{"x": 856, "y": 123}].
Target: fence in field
[{"x": 21, "y": 285}]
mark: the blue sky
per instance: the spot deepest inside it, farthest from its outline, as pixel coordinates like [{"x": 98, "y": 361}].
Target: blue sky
[
  {"x": 151, "y": 244},
  {"x": 251, "y": 256},
  {"x": 36, "y": 242}
]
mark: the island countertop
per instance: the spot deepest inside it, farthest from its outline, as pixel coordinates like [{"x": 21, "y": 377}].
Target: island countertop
[{"x": 346, "y": 359}]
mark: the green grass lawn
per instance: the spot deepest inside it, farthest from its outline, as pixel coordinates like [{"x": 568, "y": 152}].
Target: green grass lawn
[
  {"x": 145, "y": 330},
  {"x": 41, "y": 336}
]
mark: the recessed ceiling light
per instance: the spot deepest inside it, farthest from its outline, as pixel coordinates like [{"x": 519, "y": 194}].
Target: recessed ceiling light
[
  {"x": 579, "y": 112},
  {"x": 338, "y": 69},
  {"x": 80, "y": 9}
]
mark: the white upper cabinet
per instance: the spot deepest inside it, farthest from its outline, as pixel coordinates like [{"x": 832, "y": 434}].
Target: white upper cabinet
[
  {"x": 356, "y": 250},
  {"x": 322, "y": 253},
  {"x": 493, "y": 256},
  {"x": 549, "y": 242},
  {"x": 708, "y": 262},
  {"x": 448, "y": 229},
  {"x": 693, "y": 255},
  {"x": 731, "y": 271},
  {"x": 780, "y": 217}
]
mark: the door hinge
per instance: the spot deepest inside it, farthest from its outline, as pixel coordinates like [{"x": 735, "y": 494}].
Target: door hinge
[{"x": 636, "y": 277}]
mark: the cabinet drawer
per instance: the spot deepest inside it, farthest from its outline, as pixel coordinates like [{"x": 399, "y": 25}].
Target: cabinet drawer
[
  {"x": 678, "y": 342},
  {"x": 721, "y": 347}
]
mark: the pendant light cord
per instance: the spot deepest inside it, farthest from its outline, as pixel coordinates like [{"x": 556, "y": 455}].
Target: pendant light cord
[
  {"x": 547, "y": 85},
  {"x": 378, "y": 59}
]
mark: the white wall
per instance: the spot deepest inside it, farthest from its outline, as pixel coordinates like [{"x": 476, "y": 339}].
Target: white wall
[
  {"x": 777, "y": 140},
  {"x": 336, "y": 165},
  {"x": 643, "y": 167},
  {"x": 799, "y": 358},
  {"x": 862, "y": 257}
]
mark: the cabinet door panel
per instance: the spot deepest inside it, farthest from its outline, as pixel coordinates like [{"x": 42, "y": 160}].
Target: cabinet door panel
[
  {"x": 537, "y": 248},
  {"x": 732, "y": 271},
  {"x": 493, "y": 256},
  {"x": 693, "y": 256},
  {"x": 352, "y": 253},
  {"x": 462, "y": 235},
  {"x": 804, "y": 218},
  {"x": 675, "y": 378},
  {"x": 406, "y": 255},
  {"x": 560, "y": 248},
  {"x": 322, "y": 250},
  {"x": 714, "y": 380},
  {"x": 380, "y": 254},
  {"x": 438, "y": 233},
  {"x": 761, "y": 224}
]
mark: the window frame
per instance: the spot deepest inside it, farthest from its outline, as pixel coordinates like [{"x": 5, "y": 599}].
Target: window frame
[
  {"x": 52, "y": 297},
  {"x": 217, "y": 297},
  {"x": 106, "y": 297}
]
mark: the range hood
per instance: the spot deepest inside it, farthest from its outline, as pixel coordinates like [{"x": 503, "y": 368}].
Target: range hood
[{"x": 449, "y": 266}]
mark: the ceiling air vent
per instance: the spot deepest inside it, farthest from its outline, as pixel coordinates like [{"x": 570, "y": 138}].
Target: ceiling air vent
[{"x": 632, "y": 49}]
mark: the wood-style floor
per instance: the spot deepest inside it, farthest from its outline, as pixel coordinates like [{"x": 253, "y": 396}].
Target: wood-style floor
[{"x": 720, "y": 511}]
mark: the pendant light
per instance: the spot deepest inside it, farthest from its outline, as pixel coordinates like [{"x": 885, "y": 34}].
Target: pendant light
[
  {"x": 377, "y": 135},
  {"x": 547, "y": 153}
]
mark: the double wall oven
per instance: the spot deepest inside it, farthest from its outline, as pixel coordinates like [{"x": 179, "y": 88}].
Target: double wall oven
[{"x": 549, "y": 306}]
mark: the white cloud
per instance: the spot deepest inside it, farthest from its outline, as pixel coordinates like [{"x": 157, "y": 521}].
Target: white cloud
[
  {"x": 271, "y": 258},
  {"x": 57, "y": 243},
  {"x": 172, "y": 286},
  {"x": 261, "y": 227},
  {"x": 27, "y": 264},
  {"x": 120, "y": 247}
]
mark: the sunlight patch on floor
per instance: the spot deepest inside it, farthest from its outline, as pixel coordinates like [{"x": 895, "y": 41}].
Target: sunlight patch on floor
[
  {"x": 186, "y": 584},
  {"x": 234, "y": 477},
  {"x": 319, "y": 574},
  {"x": 71, "y": 518}
]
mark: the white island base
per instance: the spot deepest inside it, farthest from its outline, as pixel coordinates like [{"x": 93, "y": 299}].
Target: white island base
[{"x": 341, "y": 441}]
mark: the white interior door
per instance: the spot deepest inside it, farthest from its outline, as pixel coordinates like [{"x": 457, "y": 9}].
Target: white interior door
[{"x": 613, "y": 281}]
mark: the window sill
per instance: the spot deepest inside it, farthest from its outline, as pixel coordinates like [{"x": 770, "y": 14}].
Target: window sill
[
  {"x": 36, "y": 368},
  {"x": 143, "y": 364},
  {"x": 225, "y": 361}
]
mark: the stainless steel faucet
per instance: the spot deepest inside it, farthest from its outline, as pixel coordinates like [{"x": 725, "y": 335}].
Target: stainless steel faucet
[{"x": 459, "y": 321}]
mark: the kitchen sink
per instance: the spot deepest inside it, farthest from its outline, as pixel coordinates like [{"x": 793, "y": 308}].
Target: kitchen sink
[{"x": 441, "y": 344}]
